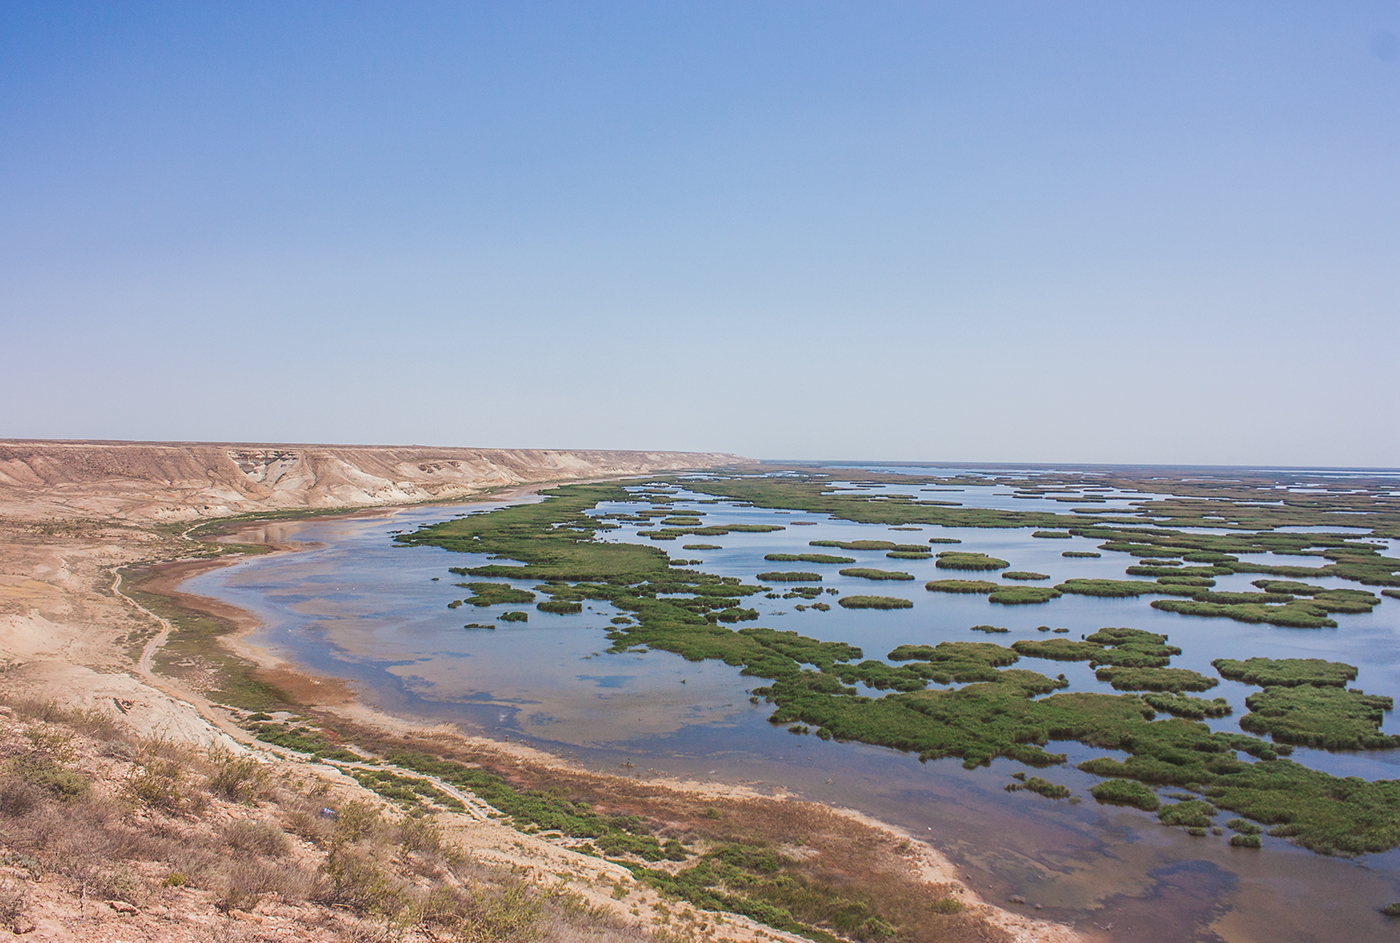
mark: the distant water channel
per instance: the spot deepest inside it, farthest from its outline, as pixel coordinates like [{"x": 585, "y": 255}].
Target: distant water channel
[{"x": 353, "y": 605}]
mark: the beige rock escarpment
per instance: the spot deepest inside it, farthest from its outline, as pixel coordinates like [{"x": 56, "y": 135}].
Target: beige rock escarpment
[{"x": 176, "y": 481}]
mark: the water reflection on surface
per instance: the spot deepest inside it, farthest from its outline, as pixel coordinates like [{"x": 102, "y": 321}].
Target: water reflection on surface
[{"x": 352, "y": 605}]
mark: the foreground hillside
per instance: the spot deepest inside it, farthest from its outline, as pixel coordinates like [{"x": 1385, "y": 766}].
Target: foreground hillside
[{"x": 175, "y": 481}]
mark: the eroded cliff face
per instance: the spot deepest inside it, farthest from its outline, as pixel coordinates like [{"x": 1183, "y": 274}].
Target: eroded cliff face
[{"x": 177, "y": 481}]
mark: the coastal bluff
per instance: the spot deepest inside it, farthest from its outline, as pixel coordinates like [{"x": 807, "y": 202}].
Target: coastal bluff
[{"x": 177, "y": 481}]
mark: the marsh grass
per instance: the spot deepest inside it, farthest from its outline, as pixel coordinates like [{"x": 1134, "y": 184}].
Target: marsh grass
[
  {"x": 868, "y": 573},
  {"x": 806, "y": 558},
  {"x": 961, "y": 560},
  {"x": 874, "y": 602}
]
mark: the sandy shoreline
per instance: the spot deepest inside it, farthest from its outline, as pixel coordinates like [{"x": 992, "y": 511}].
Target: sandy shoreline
[{"x": 331, "y": 696}]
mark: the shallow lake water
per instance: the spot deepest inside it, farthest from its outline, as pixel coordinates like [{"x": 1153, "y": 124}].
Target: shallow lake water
[{"x": 353, "y": 605}]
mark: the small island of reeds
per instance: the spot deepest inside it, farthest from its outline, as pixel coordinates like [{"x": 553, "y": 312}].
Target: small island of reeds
[{"x": 874, "y": 602}]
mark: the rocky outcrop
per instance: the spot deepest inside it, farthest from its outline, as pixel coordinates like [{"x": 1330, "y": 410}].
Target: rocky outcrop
[{"x": 190, "y": 480}]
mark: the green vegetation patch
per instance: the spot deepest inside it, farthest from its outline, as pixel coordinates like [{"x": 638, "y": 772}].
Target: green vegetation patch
[
  {"x": 1038, "y": 785},
  {"x": 1181, "y": 705},
  {"x": 962, "y": 560},
  {"x": 491, "y": 594},
  {"x": 874, "y": 602},
  {"x": 1115, "y": 647},
  {"x": 1121, "y": 589},
  {"x": 1286, "y": 672},
  {"x": 1176, "y": 573},
  {"x": 317, "y": 743},
  {"x": 961, "y": 586},
  {"x": 909, "y": 555},
  {"x": 789, "y": 577},
  {"x": 1328, "y": 718},
  {"x": 1053, "y": 534},
  {"x": 760, "y": 883},
  {"x": 867, "y": 573},
  {"x": 1289, "y": 587},
  {"x": 990, "y": 629},
  {"x": 807, "y": 558},
  {"x": 515, "y": 616},
  {"x": 1193, "y": 813},
  {"x": 1155, "y": 679},
  {"x": 867, "y": 545},
  {"x": 1123, "y": 792},
  {"x": 1024, "y": 575},
  {"x": 1081, "y": 554},
  {"x": 702, "y": 547},
  {"x": 562, "y": 607},
  {"x": 1023, "y": 595},
  {"x": 1286, "y": 616}
]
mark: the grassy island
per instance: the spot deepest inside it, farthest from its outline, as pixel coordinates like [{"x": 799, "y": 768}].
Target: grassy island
[
  {"x": 961, "y": 586},
  {"x": 1023, "y": 595},
  {"x": 868, "y": 545},
  {"x": 492, "y": 594},
  {"x": 1286, "y": 672},
  {"x": 797, "y": 576},
  {"x": 1024, "y": 575},
  {"x": 961, "y": 560},
  {"x": 874, "y": 602},
  {"x": 807, "y": 558},
  {"x": 867, "y": 573},
  {"x": 1327, "y": 718}
]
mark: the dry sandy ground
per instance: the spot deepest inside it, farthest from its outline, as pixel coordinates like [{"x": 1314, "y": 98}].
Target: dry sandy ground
[{"x": 68, "y": 634}]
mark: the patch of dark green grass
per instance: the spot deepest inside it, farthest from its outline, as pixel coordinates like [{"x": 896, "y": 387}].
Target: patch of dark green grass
[
  {"x": 1286, "y": 672},
  {"x": 1024, "y": 575},
  {"x": 909, "y": 555},
  {"x": 702, "y": 547},
  {"x": 990, "y": 629},
  {"x": 1193, "y": 813},
  {"x": 961, "y": 586},
  {"x": 515, "y": 616},
  {"x": 1124, "y": 792},
  {"x": 1053, "y": 534},
  {"x": 1043, "y": 787},
  {"x": 562, "y": 607},
  {"x": 1023, "y": 595},
  {"x": 874, "y": 602},
  {"x": 1327, "y": 718},
  {"x": 1081, "y": 554},
  {"x": 1181, "y": 705},
  {"x": 867, "y": 545},
  {"x": 789, "y": 577},
  {"x": 1121, "y": 589},
  {"x": 492, "y": 594},
  {"x": 807, "y": 558},
  {"x": 868, "y": 573},
  {"x": 1175, "y": 680},
  {"x": 962, "y": 560}
]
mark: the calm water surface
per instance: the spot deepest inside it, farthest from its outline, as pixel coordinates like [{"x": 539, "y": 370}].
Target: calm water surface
[{"x": 355, "y": 606}]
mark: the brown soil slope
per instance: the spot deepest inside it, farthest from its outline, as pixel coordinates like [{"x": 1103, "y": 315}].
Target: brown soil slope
[{"x": 186, "y": 481}]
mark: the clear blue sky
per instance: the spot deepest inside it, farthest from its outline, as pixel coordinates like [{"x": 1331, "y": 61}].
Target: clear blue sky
[{"x": 1131, "y": 232}]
